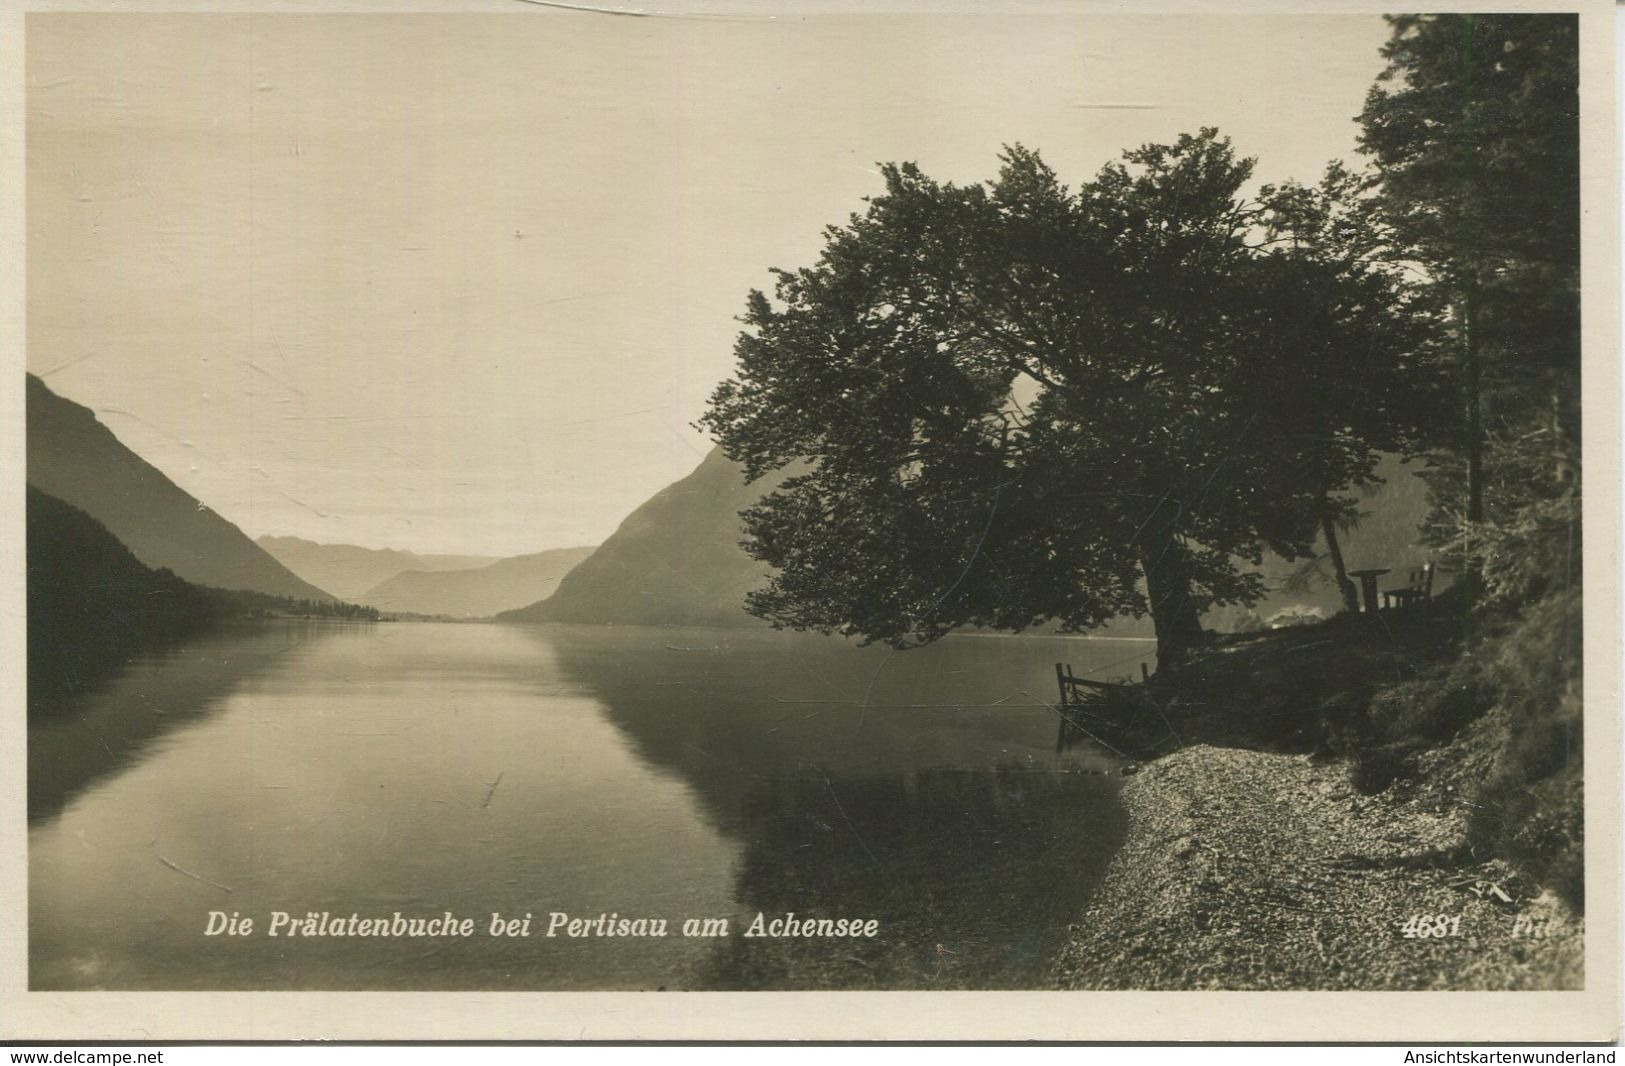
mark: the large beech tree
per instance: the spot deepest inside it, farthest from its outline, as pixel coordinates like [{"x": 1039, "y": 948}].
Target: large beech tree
[{"x": 1009, "y": 403}]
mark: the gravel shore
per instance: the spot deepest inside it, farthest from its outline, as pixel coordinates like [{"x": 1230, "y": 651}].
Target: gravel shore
[{"x": 1248, "y": 870}]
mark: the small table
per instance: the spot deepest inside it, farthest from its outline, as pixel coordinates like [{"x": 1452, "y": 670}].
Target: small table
[{"x": 1368, "y": 587}]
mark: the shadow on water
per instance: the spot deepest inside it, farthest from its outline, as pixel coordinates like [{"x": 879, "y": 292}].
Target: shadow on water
[
  {"x": 972, "y": 875},
  {"x": 77, "y": 740},
  {"x": 922, "y": 790}
]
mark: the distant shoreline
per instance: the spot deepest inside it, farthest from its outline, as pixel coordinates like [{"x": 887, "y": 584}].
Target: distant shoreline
[{"x": 983, "y": 635}]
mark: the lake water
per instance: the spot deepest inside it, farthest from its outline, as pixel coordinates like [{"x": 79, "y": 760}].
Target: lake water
[{"x": 649, "y": 773}]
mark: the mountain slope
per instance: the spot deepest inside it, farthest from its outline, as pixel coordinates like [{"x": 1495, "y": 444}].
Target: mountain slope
[
  {"x": 675, "y": 560},
  {"x": 75, "y": 458},
  {"x": 350, "y": 572},
  {"x": 477, "y": 592},
  {"x": 91, "y": 602}
]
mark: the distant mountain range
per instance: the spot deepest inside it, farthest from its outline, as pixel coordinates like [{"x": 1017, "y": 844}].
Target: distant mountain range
[
  {"x": 403, "y": 582},
  {"x": 353, "y": 572},
  {"x": 76, "y": 459},
  {"x": 676, "y": 559},
  {"x": 477, "y": 593}
]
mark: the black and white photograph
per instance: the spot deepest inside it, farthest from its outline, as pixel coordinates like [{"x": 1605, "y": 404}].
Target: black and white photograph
[{"x": 773, "y": 498}]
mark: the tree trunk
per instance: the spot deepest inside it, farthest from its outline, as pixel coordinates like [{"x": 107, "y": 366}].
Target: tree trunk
[
  {"x": 1173, "y": 611},
  {"x": 1475, "y": 414},
  {"x": 1351, "y": 595},
  {"x": 1472, "y": 355}
]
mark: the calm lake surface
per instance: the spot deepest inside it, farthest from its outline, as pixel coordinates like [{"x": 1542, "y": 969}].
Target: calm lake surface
[{"x": 652, "y": 773}]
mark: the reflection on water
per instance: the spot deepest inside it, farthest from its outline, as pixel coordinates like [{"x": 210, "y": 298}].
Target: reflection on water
[
  {"x": 74, "y": 740},
  {"x": 480, "y": 769},
  {"x": 972, "y": 873},
  {"x": 921, "y": 788}
]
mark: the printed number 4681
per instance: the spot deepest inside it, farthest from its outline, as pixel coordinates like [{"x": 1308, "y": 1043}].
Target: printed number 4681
[{"x": 1427, "y": 926}]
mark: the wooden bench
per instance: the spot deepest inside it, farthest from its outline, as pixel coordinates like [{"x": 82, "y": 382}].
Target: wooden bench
[{"x": 1417, "y": 589}]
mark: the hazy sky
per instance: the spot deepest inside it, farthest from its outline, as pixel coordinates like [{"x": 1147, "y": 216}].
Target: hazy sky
[{"x": 461, "y": 283}]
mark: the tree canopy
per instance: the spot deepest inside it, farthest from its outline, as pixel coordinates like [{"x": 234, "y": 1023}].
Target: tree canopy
[
  {"x": 1012, "y": 402},
  {"x": 1474, "y": 131}
]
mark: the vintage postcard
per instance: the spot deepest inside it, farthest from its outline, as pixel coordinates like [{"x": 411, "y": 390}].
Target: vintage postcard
[{"x": 810, "y": 521}]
